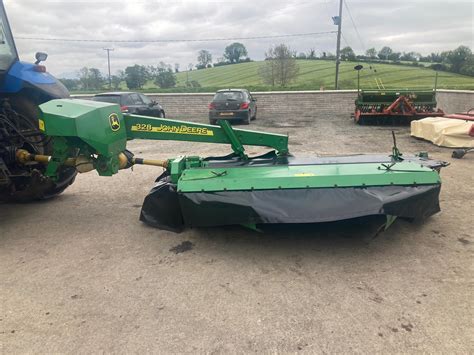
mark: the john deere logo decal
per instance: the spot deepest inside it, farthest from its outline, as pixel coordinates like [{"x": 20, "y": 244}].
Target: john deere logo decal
[{"x": 114, "y": 122}]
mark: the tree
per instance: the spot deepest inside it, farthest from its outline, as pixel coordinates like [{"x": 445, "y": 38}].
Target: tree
[
  {"x": 280, "y": 66},
  {"x": 468, "y": 67},
  {"x": 395, "y": 56},
  {"x": 90, "y": 78},
  {"x": 371, "y": 53},
  {"x": 347, "y": 53},
  {"x": 136, "y": 76},
  {"x": 84, "y": 78},
  {"x": 311, "y": 54},
  {"x": 434, "y": 58},
  {"x": 385, "y": 52},
  {"x": 165, "y": 78},
  {"x": 458, "y": 57},
  {"x": 176, "y": 67},
  {"x": 301, "y": 55},
  {"x": 204, "y": 58},
  {"x": 193, "y": 84},
  {"x": 116, "y": 81},
  {"x": 234, "y": 52},
  {"x": 328, "y": 55},
  {"x": 96, "y": 79},
  {"x": 70, "y": 84}
]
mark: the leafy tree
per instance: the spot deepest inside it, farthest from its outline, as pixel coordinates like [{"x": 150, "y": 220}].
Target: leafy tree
[
  {"x": 385, "y": 52},
  {"x": 280, "y": 67},
  {"x": 301, "y": 55},
  {"x": 329, "y": 55},
  {"x": 395, "y": 56},
  {"x": 83, "y": 74},
  {"x": 468, "y": 66},
  {"x": 347, "y": 53},
  {"x": 458, "y": 57},
  {"x": 234, "y": 52},
  {"x": 136, "y": 76},
  {"x": 90, "y": 78},
  {"x": 70, "y": 84},
  {"x": 165, "y": 78},
  {"x": 96, "y": 78},
  {"x": 434, "y": 58},
  {"x": 204, "y": 58},
  {"x": 371, "y": 53},
  {"x": 117, "y": 80},
  {"x": 408, "y": 56}
]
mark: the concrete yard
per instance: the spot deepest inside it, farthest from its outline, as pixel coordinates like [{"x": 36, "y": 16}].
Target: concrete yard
[{"x": 81, "y": 273}]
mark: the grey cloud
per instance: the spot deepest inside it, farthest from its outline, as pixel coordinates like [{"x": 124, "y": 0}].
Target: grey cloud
[{"x": 418, "y": 25}]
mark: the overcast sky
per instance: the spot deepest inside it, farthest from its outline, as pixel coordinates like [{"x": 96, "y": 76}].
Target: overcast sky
[{"x": 405, "y": 25}]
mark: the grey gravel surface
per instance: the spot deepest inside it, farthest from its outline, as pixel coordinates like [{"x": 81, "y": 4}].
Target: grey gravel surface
[{"x": 81, "y": 274}]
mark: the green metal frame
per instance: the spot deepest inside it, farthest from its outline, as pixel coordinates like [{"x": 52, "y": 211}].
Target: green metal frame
[
  {"x": 305, "y": 176},
  {"x": 100, "y": 130},
  {"x": 386, "y": 97},
  {"x": 143, "y": 127}
]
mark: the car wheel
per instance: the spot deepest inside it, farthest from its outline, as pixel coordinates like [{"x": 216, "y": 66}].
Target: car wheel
[
  {"x": 248, "y": 118},
  {"x": 161, "y": 114}
]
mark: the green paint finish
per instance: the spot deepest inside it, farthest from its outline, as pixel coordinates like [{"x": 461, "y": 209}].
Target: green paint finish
[
  {"x": 60, "y": 154},
  {"x": 100, "y": 125},
  {"x": 305, "y": 176},
  {"x": 143, "y": 127},
  {"x": 387, "y": 97}
]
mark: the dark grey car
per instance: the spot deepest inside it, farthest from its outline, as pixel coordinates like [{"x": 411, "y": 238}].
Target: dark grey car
[
  {"x": 233, "y": 105},
  {"x": 132, "y": 102}
]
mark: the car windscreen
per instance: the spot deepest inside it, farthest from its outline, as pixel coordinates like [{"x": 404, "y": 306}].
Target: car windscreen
[
  {"x": 229, "y": 96},
  {"x": 113, "y": 99}
]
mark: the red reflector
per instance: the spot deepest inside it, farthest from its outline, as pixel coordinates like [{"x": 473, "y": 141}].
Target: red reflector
[
  {"x": 40, "y": 68},
  {"x": 211, "y": 106},
  {"x": 471, "y": 131},
  {"x": 124, "y": 108},
  {"x": 244, "y": 105}
]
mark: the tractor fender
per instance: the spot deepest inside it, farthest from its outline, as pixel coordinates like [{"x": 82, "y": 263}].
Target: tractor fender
[{"x": 23, "y": 75}]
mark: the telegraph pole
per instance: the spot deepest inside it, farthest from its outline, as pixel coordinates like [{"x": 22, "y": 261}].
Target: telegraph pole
[
  {"x": 108, "y": 63},
  {"x": 338, "y": 22}
]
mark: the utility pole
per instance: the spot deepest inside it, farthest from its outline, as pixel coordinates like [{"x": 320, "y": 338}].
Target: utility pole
[
  {"x": 338, "y": 21},
  {"x": 108, "y": 63}
]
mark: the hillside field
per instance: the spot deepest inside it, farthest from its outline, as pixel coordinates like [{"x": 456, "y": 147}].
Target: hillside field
[
  {"x": 312, "y": 75},
  {"x": 316, "y": 73}
]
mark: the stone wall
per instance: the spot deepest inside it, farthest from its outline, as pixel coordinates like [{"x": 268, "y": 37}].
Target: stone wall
[
  {"x": 275, "y": 105},
  {"x": 293, "y": 105},
  {"x": 451, "y": 101}
]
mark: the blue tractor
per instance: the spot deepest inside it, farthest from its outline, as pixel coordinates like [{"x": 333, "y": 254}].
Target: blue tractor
[{"x": 24, "y": 86}]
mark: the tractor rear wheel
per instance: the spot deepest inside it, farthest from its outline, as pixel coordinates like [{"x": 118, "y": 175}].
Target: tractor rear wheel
[{"x": 28, "y": 182}]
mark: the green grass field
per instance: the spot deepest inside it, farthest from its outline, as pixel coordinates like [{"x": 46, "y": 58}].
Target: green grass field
[
  {"x": 313, "y": 74},
  {"x": 316, "y": 73}
]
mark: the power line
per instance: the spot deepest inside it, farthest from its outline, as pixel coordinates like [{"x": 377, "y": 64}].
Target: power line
[
  {"x": 173, "y": 40},
  {"x": 354, "y": 25}
]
